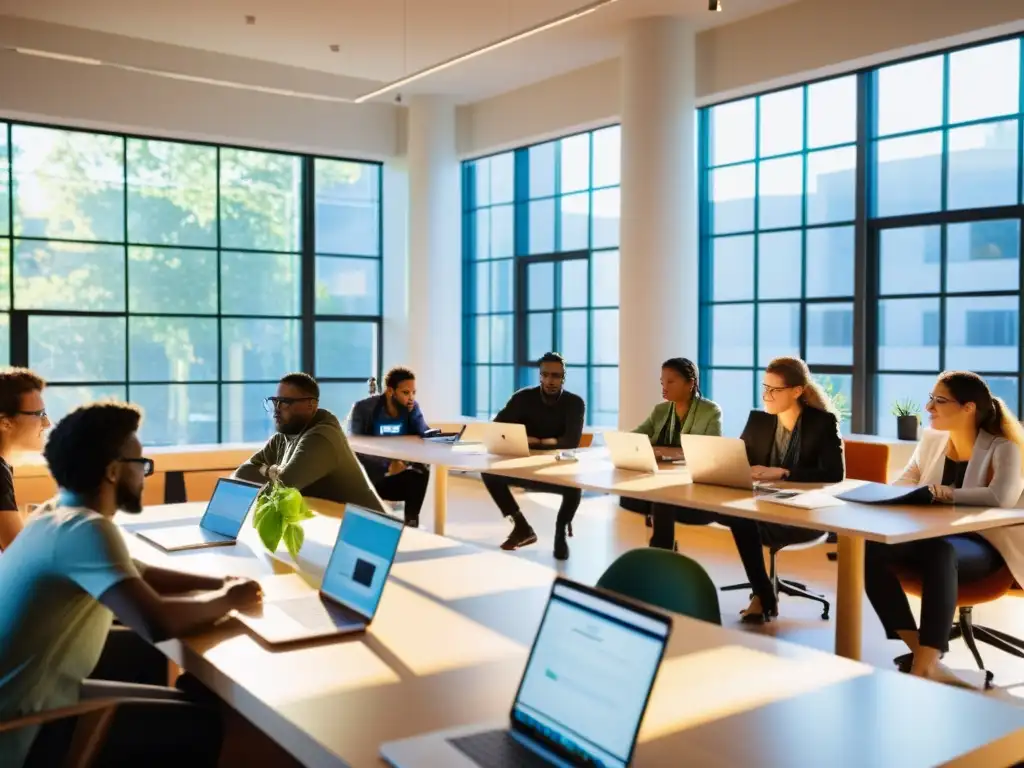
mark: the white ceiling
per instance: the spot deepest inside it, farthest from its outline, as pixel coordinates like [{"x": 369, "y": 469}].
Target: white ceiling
[{"x": 379, "y": 40}]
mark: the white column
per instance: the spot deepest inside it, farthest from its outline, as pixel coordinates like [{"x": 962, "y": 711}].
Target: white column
[
  {"x": 658, "y": 266},
  {"x": 435, "y": 257}
]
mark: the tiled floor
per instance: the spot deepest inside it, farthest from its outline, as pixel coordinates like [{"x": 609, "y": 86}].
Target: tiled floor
[{"x": 603, "y": 531}]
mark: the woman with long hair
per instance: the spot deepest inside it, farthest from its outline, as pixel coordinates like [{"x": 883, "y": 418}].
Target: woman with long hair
[{"x": 971, "y": 455}]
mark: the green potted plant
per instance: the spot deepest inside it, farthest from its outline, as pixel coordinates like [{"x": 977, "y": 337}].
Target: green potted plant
[
  {"x": 279, "y": 514},
  {"x": 908, "y": 419}
]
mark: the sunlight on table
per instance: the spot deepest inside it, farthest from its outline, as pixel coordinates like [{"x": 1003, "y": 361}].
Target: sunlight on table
[{"x": 482, "y": 573}]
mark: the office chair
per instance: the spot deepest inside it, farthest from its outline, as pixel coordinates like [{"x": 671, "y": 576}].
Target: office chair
[
  {"x": 864, "y": 461},
  {"x": 665, "y": 580}
]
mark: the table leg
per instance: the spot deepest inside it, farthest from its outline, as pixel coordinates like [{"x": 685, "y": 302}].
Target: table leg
[
  {"x": 849, "y": 596},
  {"x": 440, "y": 498}
]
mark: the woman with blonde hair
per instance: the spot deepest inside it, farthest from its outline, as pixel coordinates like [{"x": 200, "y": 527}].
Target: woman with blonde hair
[{"x": 972, "y": 456}]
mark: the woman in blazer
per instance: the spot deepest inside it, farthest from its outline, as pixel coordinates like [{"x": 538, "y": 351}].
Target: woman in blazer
[{"x": 970, "y": 456}]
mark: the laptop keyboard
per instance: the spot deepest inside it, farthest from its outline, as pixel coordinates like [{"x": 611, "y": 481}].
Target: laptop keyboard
[
  {"x": 497, "y": 749},
  {"x": 308, "y": 611}
]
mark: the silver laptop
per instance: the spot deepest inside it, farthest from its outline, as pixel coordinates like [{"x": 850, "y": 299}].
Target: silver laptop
[
  {"x": 351, "y": 588},
  {"x": 633, "y": 451},
  {"x": 717, "y": 460},
  {"x": 497, "y": 438},
  {"x": 222, "y": 520},
  {"x": 581, "y": 698}
]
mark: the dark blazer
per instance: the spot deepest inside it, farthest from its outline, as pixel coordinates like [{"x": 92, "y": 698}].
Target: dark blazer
[
  {"x": 815, "y": 452},
  {"x": 360, "y": 422}
]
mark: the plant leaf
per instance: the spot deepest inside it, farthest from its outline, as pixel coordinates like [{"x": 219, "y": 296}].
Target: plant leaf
[
  {"x": 261, "y": 509},
  {"x": 271, "y": 528},
  {"x": 294, "y": 537}
]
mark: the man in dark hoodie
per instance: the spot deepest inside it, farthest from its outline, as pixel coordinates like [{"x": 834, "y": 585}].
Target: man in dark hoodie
[
  {"x": 393, "y": 414},
  {"x": 309, "y": 452}
]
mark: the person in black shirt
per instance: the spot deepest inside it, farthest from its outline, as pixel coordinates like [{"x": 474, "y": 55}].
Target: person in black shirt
[
  {"x": 23, "y": 423},
  {"x": 553, "y": 419}
]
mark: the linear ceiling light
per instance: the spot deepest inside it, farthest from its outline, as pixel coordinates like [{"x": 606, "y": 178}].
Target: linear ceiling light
[
  {"x": 513, "y": 38},
  {"x": 58, "y": 56}
]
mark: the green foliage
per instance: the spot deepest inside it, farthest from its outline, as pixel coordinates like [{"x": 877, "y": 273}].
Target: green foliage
[
  {"x": 279, "y": 514},
  {"x": 906, "y": 407},
  {"x": 838, "y": 399}
]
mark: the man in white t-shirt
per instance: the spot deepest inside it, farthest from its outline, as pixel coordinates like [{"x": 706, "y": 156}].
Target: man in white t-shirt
[{"x": 64, "y": 578}]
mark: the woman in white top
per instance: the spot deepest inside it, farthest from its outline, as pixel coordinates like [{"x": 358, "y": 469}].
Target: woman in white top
[{"x": 970, "y": 456}]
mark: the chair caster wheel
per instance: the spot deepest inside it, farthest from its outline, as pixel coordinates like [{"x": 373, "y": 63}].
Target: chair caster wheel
[
  {"x": 988, "y": 679},
  {"x": 824, "y": 615}
]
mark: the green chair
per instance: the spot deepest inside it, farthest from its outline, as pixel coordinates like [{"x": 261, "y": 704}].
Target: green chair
[{"x": 664, "y": 579}]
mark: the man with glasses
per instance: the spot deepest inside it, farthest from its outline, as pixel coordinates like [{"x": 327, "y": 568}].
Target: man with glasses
[
  {"x": 309, "y": 452},
  {"x": 23, "y": 424},
  {"x": 553, "y": 418}
]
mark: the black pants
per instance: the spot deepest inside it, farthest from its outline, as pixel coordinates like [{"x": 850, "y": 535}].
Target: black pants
[
  {"x": 409, "y": 486},
  {"x": 942, "y": 565},
  {"x": 751, "y": 536},
  {"x": 499, "y": 486},
  {"x": 174, "y": 727},
  {"x": 665, "y": 517}
]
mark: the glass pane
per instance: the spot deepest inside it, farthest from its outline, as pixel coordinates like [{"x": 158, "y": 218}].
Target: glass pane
[
  {"x": 542, "y": 170},
  {"x": 68, "y": 276},
  {"x": 176, "y": 414},
  {"x": 604, "y": 278},
  {"x": 338, "y": 397},
  {"x": 830, "y": 334},
  {"x": 172, "y": 348},
  {"x": 779, "y": 257},
  {"x": 732, "y": 196},
  {"x": 909, "y": 175},
  {"x": 5, "y": 338},
  {"x": 832, "y": 112},
  {"x": 68, "y": 184},
  {"x": 259, "y": 283},
  {"x": 501, "y": 285},
  {"x": 908, "y": 331},
  {"x": 258, "y": 349},
  {"x": 574, "y": 283},
  {"x": 780, "y": 193},
  {"x": 502, "y": 386},
  {"x": 983, "y": 165},
  {"x": 61, "y": 400},
  {"x": 502, "y": 232},
  {"x": 503, "y": 178},
  {"x": 603, "y": 407},
  {"x": 607, "y": 156},
  {"x": 893, "y": 388},
  {"x": 346, "y": 350},
  {"x": 347, "y": 286},
  {"x": 243, "y": 417},
  {"x": 540, "y": 334},
  {"x": 830, "y": 262},
  {"x": 734, "y": 392},
  {"x": 574, "y": 211},
  {"x": 983, "y": 335},
  {"x": 482, "y": 287},
  {"x": 483, "y": 339},
  {"x": 1005, "y": 387},
  {"x": 260, "y": 200},
  {"x": 831, "y": 185},
  {"x": 984, "y": 81},
  {"x": 77, "y": 348},
  {"x": 572, "y": 336},
  {"x": 172, "y": 280},
  {"x": 782, "y": 122},
  {"x": 910, "y": 260},
  {"x": 347, "y": 215},
  {"x": 540, "y": 285},
  {"x": 605, "y": 210},
  {"x": 733, "y": 131},
  {"x": 482, "y": 182},
  {"x": 482, "y": 234},
  {"x": 732, "y": 268},
  {"x": 575, "y": 162},
  {"x": 909, "y": 96},
  {"x": 172, "y": 193},
  {"x": 605, "y": 337},
  {"x": 982, "y": 256},
  {"x": 732, "y": 337},
  {"x": 5, "y": 274},
  {"x": 502, "y": 330},
  {"x": 483, "y": 387},
  {"x": 542, "y": 226},
  {"x": 5, "y": 183},
  {"x": 778, "y": 331}
]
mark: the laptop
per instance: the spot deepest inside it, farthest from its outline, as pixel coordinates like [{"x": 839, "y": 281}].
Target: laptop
[
  {"x": 581, "y": 698},
  {"x": 497, "y": 438},
  {"x": 222, "y": 520},
  {"x": 437, "y": 436},
  {"x": 633, "y": 451},
  {"x": 717, "y": 460},
  {"x": 350, "y": 591}
]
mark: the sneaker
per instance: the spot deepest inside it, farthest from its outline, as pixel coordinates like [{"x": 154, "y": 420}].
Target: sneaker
[
  {"x": 520, "y": 537},
  {"x": 561, "y": 546}
]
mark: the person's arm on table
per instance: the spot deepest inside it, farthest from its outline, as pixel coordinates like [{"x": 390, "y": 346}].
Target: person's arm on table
[
  {"x": 1004, "y": 490},
  {"x": 417, "y": 423},
  {"x": 165, "y": 581},
  {"x": 314, "y": 457},
  {"x": 574, "y": 421},
  {"x": 255, "y": 469}
]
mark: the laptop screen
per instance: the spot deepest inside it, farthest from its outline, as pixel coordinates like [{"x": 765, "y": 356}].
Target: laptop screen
[
  {"x": 228, "y": 507},
  {"x": 589, "y": 675},
  {"x": 361, "y": 559}
]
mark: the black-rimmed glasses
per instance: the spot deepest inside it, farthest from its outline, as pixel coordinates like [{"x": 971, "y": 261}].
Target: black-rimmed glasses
[
  {"x": 147, "y": 464},
  {"x": 271, "y": 404}
]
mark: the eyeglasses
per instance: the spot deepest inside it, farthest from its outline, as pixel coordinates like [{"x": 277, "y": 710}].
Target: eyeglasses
[
  {"x": 40, "y": 414},
  {"x": 769, "y": 391},
  {"x": 147, "y": 464},
  {"x": 554, "y": 376},
  {"x": 271, "y": 404},
  {"x": 938, "y": 400}
]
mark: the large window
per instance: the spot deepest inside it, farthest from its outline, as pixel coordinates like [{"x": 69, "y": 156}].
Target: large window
[
  {"x": 905, "y": 181},
  {"x": 177, "y": 276},
  {"x": 541, "y": 237}
]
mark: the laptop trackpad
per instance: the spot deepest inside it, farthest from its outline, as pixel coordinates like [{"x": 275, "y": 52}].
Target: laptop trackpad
[
  {"x": 497, "y": 749},
  {"x": 301, "y": 616}
]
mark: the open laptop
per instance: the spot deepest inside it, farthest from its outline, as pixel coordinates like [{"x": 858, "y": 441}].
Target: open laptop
[
  {"x": 581, "y": 698},
  {"x": 222, "y": 520},
  {"x": 350, "y": 591},
  {"x": 633, "y": 451},
  {"x": 717, "y": 460},
  {"x": 497, "y": 438}
]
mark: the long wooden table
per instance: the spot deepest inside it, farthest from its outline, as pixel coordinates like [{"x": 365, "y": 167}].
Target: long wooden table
[
  {"x": 449, "y": 643},
  {"x": 853, "y": 523}
]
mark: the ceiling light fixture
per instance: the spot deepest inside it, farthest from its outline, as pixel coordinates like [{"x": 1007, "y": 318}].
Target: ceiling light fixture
[
  {"x": 714, "y": 5},
  {"x": 58, "y": 56},
  {"x": 513, "y": 38}
]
